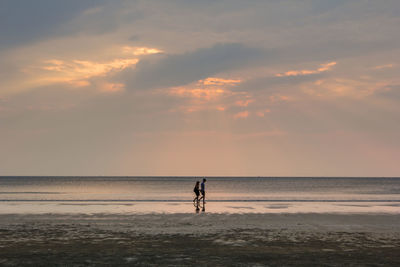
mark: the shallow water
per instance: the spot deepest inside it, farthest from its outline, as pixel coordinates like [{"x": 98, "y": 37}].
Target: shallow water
[{"x": 174, "y": 195}]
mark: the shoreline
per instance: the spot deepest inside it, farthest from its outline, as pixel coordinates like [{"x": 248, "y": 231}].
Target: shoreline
[
  {"x": 307, "y": 239},
  {"x": 168, "y": 207},
  {"x": 210, "y": 221}
]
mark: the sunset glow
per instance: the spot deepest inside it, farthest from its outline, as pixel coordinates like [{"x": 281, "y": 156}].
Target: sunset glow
[
  {"x": 312, "y": 88},
  {"x": 80, "y": 69}
]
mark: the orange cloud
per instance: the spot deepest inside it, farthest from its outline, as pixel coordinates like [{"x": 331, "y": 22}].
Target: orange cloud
[
  {"x": 319, "y": 82},
  {"x": 200, "y": 93},
  {"x": 207, "y": 89},
  {"x": 323, "y": 68},
  {"x": 77, "y": 72},
  {"x": 279, "y": 98},
  {"x": 387, "y": 66},
  {"x": 207, "y": 94},
  {"x": 219, "y": 81},
  {"x": 244, "y": 103},
  {"x": 139, "y": 51},
  {"x": 241, "y": 115},
  {"x": 345, "y": 88},
  {"x": 54, "y": 65},
  {"x": 112, "y": 87},
  {"x": 261, "y": 113},
  {"x": 90, "y": 68}
]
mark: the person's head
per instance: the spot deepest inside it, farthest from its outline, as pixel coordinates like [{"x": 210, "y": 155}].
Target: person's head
[
  {"x": 204, "y": 180},
  {"x": 198, "y": 182}
]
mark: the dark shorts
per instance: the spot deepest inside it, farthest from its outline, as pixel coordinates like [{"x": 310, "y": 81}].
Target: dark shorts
[
  {"x": 203, "y": 193},
  {"x": 197, "y": 192}
]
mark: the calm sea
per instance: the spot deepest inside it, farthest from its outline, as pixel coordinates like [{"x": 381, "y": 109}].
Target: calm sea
[{"x": 175, "y": 194}]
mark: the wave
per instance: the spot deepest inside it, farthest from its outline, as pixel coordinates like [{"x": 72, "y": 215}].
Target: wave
[{"x": 44, "y": 193}]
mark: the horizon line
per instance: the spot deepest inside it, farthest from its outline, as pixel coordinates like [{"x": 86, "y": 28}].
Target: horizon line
[{"x": 194, "y": 176}]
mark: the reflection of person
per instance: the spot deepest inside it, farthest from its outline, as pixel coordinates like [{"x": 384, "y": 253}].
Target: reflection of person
[
  {"x": 203, "y": 190},
  {"x": 196, "y": 191}
]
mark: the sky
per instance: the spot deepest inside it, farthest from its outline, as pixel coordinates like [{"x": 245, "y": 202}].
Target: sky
[{"x": 200, "y": 88}]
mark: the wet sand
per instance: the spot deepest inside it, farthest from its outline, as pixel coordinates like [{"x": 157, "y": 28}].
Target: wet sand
[{"x": 201, "y": 239}]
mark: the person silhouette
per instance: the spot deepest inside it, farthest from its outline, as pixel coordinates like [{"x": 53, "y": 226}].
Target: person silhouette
[
  {"x": 197, "y": 192},
  {"x": 203, "y": 190}
]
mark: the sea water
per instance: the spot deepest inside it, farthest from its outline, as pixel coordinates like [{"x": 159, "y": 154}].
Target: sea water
[{"x": 132, "y": 195}]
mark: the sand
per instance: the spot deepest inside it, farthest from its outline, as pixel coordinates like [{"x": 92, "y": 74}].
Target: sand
[{"x": 201, "y": 239}]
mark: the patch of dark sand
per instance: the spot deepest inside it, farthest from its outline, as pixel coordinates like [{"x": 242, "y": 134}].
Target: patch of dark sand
[
  {"x": 355, "y": 205},
  {"x": 95, "y": 204},
  {"x": 278, "y": 206},
  {"x": 240, "y": 207},
  {"x": 86, "y": 245},
  {"x": 391, "y": 205}
]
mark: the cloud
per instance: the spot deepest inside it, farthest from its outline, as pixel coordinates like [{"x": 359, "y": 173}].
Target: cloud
[
  {"x": 75, "y": 70},
  {"x": 77, "y": 73},
  {"x": 210, "y": 94},
  {"x": 181, "y": 69},
  {"x": 208, "y": 89},
  {"x": 24, "y": 21},
  {"x": 261, "y": 113},
  {"x": 323, "y": 6},
  {"x": 111, "y": 87},
  {"x": 140, "y": 51},
  {"x": 386, "y": 66},
  {"x": 323, "y": 68},
  {"x": 219, "y": 81},
  {"x": 84, "y": 69},
  {"x": 279, "y": 98},
  {"x": 241, "y": 115},
  {"x": 82, "y": 109},
  {"x": 391, "y": 92},
  {"x": 274, "y": 83},
  {"x": 244, "y": 103},
  {"x": 200, "y": 93}
]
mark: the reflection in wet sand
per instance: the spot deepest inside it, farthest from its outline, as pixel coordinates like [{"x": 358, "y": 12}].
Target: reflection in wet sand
[
  {"x": 199, "y": 205},
  {"x": 10, "y": 207}
]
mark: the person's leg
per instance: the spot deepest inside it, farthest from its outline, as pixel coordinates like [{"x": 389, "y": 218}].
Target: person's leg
[{"x": 203, "y": 196}]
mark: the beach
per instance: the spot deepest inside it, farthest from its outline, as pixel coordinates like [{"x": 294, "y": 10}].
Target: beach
[
  {"x": 152, "y": 221},
  {"x": 205, "y": 239}
]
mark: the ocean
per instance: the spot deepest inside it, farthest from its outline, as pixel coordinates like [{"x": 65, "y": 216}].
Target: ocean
[{"x": 125, "y": 195}]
